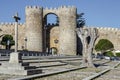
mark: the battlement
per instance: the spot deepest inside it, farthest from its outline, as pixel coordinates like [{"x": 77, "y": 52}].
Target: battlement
[
  {"x": 67, "y": 6},
  {"x": 61, "y": 7},
  {"x": 51, "y": 8},
  {"x": 108, "y": 28},
  {"x": 33, "y": 7},
  {"x": 10, "y": 23}
]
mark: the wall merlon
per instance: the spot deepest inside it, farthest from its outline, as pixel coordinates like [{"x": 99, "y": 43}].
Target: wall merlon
[
  {"x": 28, "y": 7},
  {"x": 55, "y": 8},
  {"x": 101, "y": 28},
  {"x": 51, "y": 8},
  {"x": 108, "y": 28},
  {"x": 9, "y": 23},
  {"x": 20, "y": 23},
  {"x": 71, "y": 7},
  {"x": 33, "y": 7},
  {"x": 37, "y": 7},
  {"x": 5, "y": 23},
  {"x": 46, "y": 8},
  {"x": 1, "y": 23}
]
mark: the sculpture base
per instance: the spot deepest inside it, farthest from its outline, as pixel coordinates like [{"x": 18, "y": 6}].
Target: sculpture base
[
  {"x": 15, "y": 57},
  {"x": 15, "y": 66},
  {"x": 18, "y": 69}
]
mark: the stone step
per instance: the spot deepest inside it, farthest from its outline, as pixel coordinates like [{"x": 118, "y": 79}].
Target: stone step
[
  {"x": 34, "y": 71},
  {"x": 20, "y": 72},
  {"x": 15, "y": 64},
  {"x": 47, "y": 74},
  {"x": 17, "y": 67},
  {"x": 55, "y": 65},
  {"x": 29, "y": 67}
]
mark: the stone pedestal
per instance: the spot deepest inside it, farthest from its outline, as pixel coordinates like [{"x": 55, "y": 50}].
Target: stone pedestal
[
  {"x": 15, "y": 57},
  {"x": 15, "y": 66}
]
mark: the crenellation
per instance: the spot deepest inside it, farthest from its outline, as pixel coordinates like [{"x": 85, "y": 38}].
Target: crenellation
[
  {"x": 112, "y": 29},
  {"x": 2, "y": 23},
  {"x": 64, "y": 6},
  {"x": 7, "y": 24},
  {"x": 101, "y": 28},
  {"x": 46, "y": 8},
  {"x": 37, "y": 7},
  {"x": 28, "y": 7},
  {"x": 33, "y": 7},
  {"x": 21, "y": 24},
  {"x": 117, "y": 29},
  {"x": 50, "y": 8},
  {"x": 108, "y": 28},
  {"x": 55, "y": 8},
  {"x": 10, "y": 23},
  {"x": 68, "y": 6}
]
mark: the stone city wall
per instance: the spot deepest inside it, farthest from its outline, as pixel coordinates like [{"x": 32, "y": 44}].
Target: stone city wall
[{"x": 8, "y": 28}]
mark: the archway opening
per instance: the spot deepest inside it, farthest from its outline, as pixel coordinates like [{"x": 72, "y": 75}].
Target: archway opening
[
  {"x": 7, "y": 41},
  {"x": 50, "y": 20}
]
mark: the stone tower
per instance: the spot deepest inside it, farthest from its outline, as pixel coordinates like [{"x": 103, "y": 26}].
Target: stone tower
[
  {"x": 34, "y": 28},
  {"x": 67, "y": 35}
]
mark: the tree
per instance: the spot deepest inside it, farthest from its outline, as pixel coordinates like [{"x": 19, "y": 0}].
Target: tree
[
  {"x": 80, "y": 23},
  {"x": 80, "y": 20},
  {"x": 88, "y": 37},
  {"x": 103, "y": 45},
  {"x": 109, "y": 54},
  {"x": 7, "y": 41}
]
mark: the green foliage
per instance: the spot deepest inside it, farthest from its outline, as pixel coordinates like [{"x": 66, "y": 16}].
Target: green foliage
[
  {"x": 104, "y": 45},
  {"x": 109, "y": 54},
  {"x": 118, "y": 54},
  {"x": 54, "y": 50},
  {"x": 7, "y": 38},
  {"x": 80, "y": 20}
]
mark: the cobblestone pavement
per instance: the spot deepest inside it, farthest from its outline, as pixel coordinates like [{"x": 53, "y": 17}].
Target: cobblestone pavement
[
  {"x": 49, "y": 65},
  {"x": 80, "y": 74},
  {"x": 113, "y": 74},
  {"x": 5, "y": 76},
  {"x": 73, "y": 75}
]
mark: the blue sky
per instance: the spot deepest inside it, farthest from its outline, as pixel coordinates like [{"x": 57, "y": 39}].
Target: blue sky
[{"x": 101, "y": 13}]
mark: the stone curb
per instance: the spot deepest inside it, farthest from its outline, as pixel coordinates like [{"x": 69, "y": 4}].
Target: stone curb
[
  {"x": 61, "y": 64},
  {"x": 100, "y": 73},
  {"x": 96, "y": 75},
  {"x": 46, "y": 74},
  {"x": 116, "y": 65}
]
